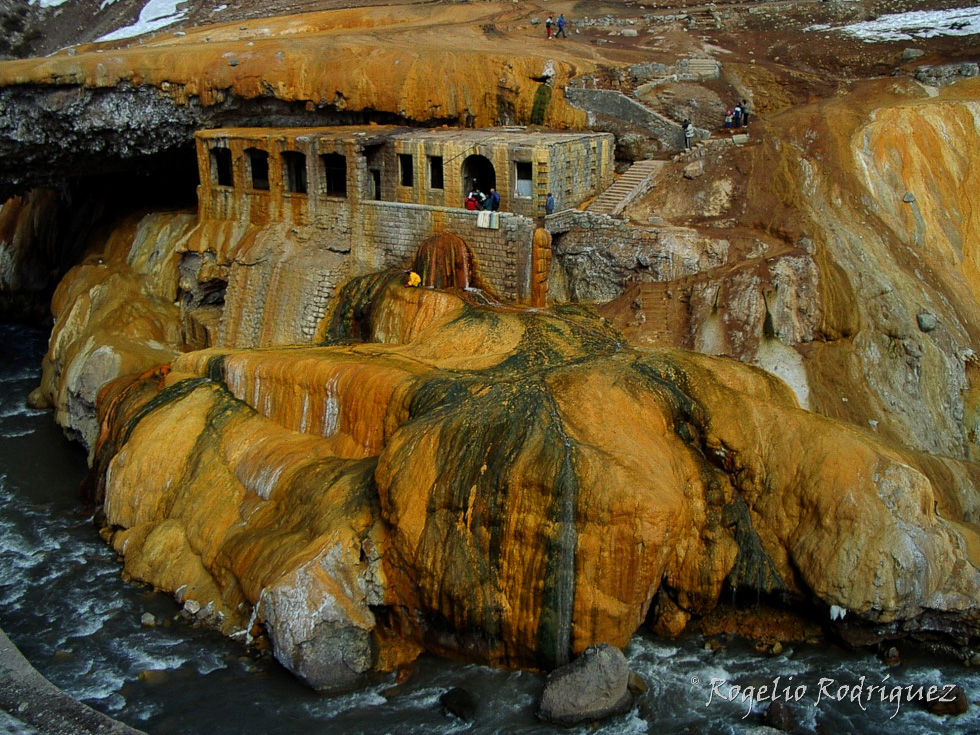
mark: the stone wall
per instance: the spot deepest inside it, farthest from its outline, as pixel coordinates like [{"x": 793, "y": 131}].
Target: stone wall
[
  {"x": 389, "y": 234},
  {"x": 281, "y": 278},
  {"x": 279, "y": 287},
  {"x": 612, "y": 105}
]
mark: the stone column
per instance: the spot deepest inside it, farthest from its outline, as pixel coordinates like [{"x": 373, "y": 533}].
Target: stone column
[{"x": 540, "y": 266}]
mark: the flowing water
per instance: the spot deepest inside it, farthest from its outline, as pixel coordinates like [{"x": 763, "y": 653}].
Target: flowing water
[{"x": 62, "y": 601}]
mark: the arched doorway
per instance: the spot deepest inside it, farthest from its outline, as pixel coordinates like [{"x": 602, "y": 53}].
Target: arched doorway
[{"x": 478, "y": 173}]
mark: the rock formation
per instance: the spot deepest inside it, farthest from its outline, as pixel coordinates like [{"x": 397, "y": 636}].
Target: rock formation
[
  {"x": 511, "y": 505},
  {"x": 380, "y": 470},
  {"x": 592, "y": 687},
  {"x": 830, "y": 266},
  {"x": 106, "y": 104}
]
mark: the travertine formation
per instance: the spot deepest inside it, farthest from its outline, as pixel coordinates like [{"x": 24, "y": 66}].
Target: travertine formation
[
  {"x": 513, "y": 504},
  {"x": 434, "y": 471}
]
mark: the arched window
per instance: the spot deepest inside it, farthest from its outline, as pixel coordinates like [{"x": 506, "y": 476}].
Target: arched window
[
  {"x": 478, "y": 173},
  {"x": 294, "y": 172},
  {"x": 258, "y": 165}
]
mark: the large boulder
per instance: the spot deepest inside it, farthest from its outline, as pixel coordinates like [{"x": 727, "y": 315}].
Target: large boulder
[{"x": 594, "y": 686}]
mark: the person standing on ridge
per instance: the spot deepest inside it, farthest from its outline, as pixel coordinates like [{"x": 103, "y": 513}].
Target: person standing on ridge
[
  {"x": 547, "y": 27},
  {"x": 561, "y": 26},
  {"x": 745, "y": 113}
]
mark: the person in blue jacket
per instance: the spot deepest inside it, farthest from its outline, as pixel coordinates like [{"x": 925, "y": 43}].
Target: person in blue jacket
[{"x": 549, "y": 205}]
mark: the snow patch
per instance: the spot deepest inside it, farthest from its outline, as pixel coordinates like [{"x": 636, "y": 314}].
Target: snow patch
[
  {"x": 155, "y": 15},
  {"x": 912, "y": 25}
]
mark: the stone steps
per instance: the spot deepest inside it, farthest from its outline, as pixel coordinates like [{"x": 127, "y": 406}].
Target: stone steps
[
  {"x": 626, "y": 188},
  {"x": 703, "y": 147}
]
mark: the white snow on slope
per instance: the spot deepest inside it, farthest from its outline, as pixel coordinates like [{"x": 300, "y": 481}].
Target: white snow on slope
[
  {"x": 912, "y": 25},
  {"x": 155, "y": 14}
]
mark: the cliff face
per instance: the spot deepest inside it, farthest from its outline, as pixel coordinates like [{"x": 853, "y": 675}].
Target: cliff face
[{"x": 852, "y": 272}]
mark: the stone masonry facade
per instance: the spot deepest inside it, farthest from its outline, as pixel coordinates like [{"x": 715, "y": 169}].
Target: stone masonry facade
[{"x": 305, "y": 209}]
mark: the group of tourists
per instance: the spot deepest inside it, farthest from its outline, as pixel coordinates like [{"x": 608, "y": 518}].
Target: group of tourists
[
  {"x": 476, "y": 200},
  {"x": 558, "y": 25},
  {"x": 737, "y": 117}
]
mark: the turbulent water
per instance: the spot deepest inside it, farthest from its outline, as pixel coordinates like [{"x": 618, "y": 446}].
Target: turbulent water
[{"x": 63, "y": 603}]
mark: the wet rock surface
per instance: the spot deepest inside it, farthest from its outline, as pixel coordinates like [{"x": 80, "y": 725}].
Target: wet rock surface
[{"x": 593, "y": 687}]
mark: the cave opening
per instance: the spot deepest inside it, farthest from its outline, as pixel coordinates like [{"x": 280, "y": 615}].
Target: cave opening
[{"x": 78, "y": 209}]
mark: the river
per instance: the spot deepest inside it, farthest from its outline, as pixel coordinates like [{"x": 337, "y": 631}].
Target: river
[{"x": 63, "y": 602}]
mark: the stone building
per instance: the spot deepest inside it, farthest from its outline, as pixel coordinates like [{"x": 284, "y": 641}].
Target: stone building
[
  {"x": 311, "y": 207},
  {"x": 274, "y": 172}
]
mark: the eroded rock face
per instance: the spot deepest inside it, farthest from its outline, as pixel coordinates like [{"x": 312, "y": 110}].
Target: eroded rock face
[
  {"x": 114, "y": 315},
  {"x": 845, "y": 223},
  {"x": 257, "y": 521},
  {"x": 516, "y": 506},
  {"x": 98, "y": 112},
  {"x": 47, "y": 132}
]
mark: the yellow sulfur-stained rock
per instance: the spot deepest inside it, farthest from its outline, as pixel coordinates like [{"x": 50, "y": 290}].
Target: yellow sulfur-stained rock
[{"x": 516, "y": 511}]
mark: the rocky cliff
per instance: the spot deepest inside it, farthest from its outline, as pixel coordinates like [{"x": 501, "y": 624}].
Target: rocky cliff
[
  {"x": 114, "y": 106},
  {"x": 851, "y": 271}
]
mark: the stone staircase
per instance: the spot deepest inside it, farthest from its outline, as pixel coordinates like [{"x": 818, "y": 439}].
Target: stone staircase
[
  {"x": 703, "y": 147},
  {"x": 701, "y": 68},
  {"x": 633, "y": 183}
]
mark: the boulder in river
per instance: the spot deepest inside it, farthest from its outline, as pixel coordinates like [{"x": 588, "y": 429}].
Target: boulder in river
[{"x": 592, "y": 687}]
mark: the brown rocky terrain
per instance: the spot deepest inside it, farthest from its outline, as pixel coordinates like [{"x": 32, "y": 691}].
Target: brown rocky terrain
[{"x": 774, "y": 392}]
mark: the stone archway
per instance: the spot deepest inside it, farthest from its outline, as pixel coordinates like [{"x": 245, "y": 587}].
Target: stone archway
[{"x": 478, "y": 172}]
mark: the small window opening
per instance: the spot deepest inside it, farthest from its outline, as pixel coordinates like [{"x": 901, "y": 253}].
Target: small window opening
[
  {"x": 294, "y": 172},
  {"x": 334, "y": 174},
  {"x": 405, "y": 169},
  {"x": 221, "y": 167},
  {"x": 258, "y": 163},
  {"x": 524, "y": 188},
  {"x": 435, "y": 172}
]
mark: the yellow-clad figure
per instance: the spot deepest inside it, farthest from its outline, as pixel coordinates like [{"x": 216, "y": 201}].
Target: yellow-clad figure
[{"x": 413, "y": 280}]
